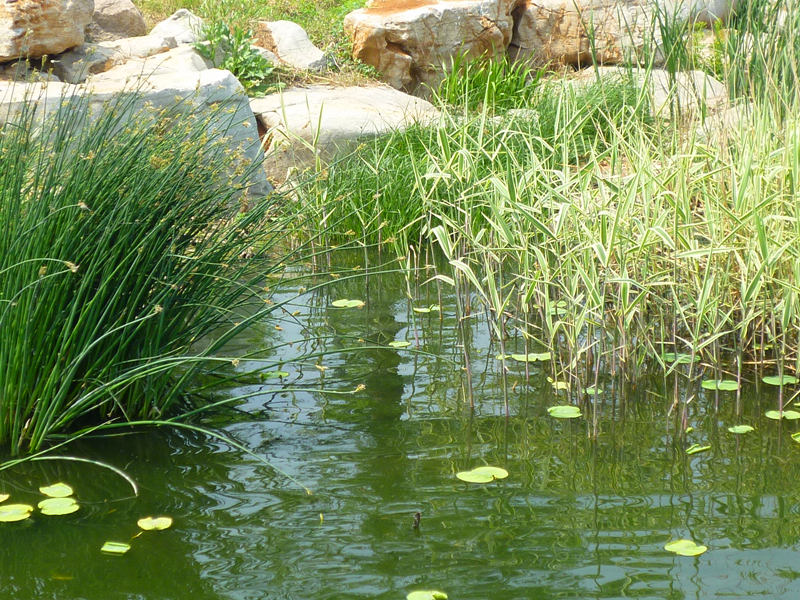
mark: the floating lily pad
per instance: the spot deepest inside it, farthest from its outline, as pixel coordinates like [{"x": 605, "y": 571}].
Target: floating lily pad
[
  {"x": 58, "y": 506},
  {"x": 592, "y": 391},
  {"x": 558, "y": 385},
  {"x": 57, "y": 490},
  {"x": 115, "y": 548},
  {"x": 273, "y": 374},
  {"x": 531, "y": 356},
  {"x": 741, "y": 429},
  {"x": 14, "y": 512},
  {"x": 777, "y": 380},
  {"x": 696, "y": 448},
  {"x": 482, "y": 474},
  {"x": 426, "y": 595},
  {"x": 502, "y": 356},
  {"x": 154, "y": 523},
  {"x": 399, "y": 344},
  {"x": 789, "y": 415},
  {"x": 4, "y": 497},
  {"x": 565, "y": 412},
  {"x": 345, "y": 303},
  {"x": 679, "y": 358},
  {"x": 723, "y": 385},
  {"x": 424, "y": 310},
  {"x": 685, "y": 548}
]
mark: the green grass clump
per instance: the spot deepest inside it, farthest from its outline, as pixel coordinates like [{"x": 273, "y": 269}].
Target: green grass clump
[{"x": 119, "y": 253}]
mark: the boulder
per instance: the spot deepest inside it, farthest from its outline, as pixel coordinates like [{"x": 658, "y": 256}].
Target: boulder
[
  {"x": 410, "y": 41},
  {"x": 183, "y": 25},
  {"x": 77, "y": 64},
  {"x": 682, "y": 94},
  {"x": 301, "y": 125},
  {"x": 211, "y": 93},
  {"x": 290, "y": 44},
  {"x": 115, "y": 19},
  {"x": 34, "y": 28}
]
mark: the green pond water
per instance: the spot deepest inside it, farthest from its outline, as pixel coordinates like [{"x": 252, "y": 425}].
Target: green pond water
[{"x": 576, "y": 518}]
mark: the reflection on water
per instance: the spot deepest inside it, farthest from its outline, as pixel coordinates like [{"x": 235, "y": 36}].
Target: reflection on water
[{"x": 575, "y": 519}]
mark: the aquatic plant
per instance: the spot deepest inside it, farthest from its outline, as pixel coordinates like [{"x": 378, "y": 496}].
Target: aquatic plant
[{"x": 121, "y": 252}]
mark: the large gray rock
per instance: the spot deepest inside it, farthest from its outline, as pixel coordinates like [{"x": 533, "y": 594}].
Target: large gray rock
[
  {"x": 302, "y": 125},
  {"x": 290, "y": 44},
  {"x": 34, "y": 28},
  {"x": 115, "y": 19},
  {"x": 213, "y": 94},
  {"x": 183, "y": 26}
]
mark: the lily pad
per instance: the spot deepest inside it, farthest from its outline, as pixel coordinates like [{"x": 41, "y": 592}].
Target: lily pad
[
  {"x": 789, "y": 415},
  {"x": 154, "y": 523},
  {"x": 566, "y": 411},
  {"x": 558, "y": 385},
  {"x": 273, "y": 374},
  {"x": 679, "y": 358},
  {"x": 592, "y": 391},
  {"x": 741, "y": 429},
  {"x": 482, "y": 474},
  {"x": 426, "y": 595},
  {"x": 58, "y": 506},
  {"x": 115, "y": 548},
  {"x": 345, "y": 303},
  {"x": 4, "y": 497},
  {"x": 696, "y": 449},
  {"x": 399, "y": 344},
  {"x": 531, "y": 356},
  {"x": 57, "y": 490},
  {"x": 429, "y": 309},
  {"x": 14, "y": 512},
  {"x": 723, "y": 385},
  {"x": 778, "y": 380},
  {"x": 685, "y": 548}
]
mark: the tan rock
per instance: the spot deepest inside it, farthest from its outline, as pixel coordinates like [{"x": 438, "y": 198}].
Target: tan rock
[
  {"x": 409, "y": 41},
  {"x": 115, "y": 19},
  {"x": 290, "y": 44},
  {"x": 34, "y": 28}
]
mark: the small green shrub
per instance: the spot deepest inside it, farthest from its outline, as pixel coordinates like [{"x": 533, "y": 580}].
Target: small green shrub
[{"x": 230, "y": 47}]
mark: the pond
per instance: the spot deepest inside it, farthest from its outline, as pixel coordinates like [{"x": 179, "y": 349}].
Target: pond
[{"x": 576, "y": 517}]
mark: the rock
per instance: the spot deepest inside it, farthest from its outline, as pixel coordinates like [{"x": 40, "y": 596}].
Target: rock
[
  {"x": 181, "y": 60},
  {"x": 34, "y": 28},
  {"x": 77, "y": 64},
  {"x": 184, "y": 26},
  {"x": 22, "y": 71},
  {"x": 671, "y": 94},
  {"x": 210, "y": 93},
  {"x": 140, "y": 47},
  {"x": 301, "y": 125},
  {"x": 409, "y": 41},
  {"x": 115, "y": 19},
  {"x": 289, "y": 42},
  {"x": 720, "y": 127}
]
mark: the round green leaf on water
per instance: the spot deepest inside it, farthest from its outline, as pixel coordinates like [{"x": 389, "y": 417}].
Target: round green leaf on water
[
  {"x": 558, "y": 385},
  {"x": 776, "y": 415},
  {"x": 154, "y": 523},
  {"x": 531, "y": 356},
  {"x": 485, "y": 474},
  {"x": 345, "y": 303},
  {"x": 723, "y": 385},
  {"x": 592, "y": 391},
  {"x": 566, "y": 411},
  {"x": 791, "y": 415},
  {"x": 741, "y": 429},
  {"x": 57, "y": 490},
  {"x": 58, "y": 506},
  {"x": 685, "y": 548},
  {"x": 14, "y": 512},
  {"x": 426, "y": 595},
  {"x": 696, "y": 448},
  {"x": 777, "y": 380},
  {"x": 273, "y": 374},
  {"x": 4, "y": 497},
  {"x": 680, "y": 358},
  {"x": 399, "y": 344},
  {"x": 424, "y": 310},
  {"x": 115, "y": 548}
]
